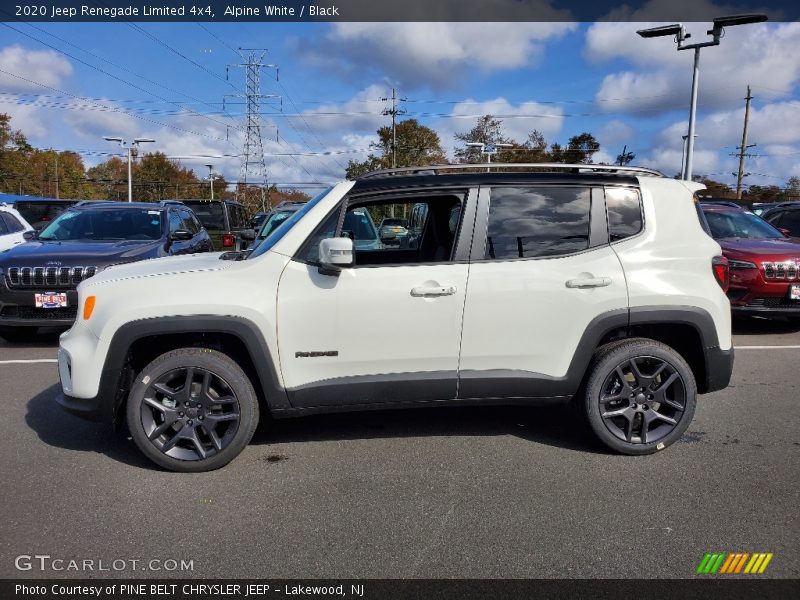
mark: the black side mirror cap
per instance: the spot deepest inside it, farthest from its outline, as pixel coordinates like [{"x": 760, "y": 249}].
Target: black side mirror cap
[
  {"x": 30, "y": 235},
  {"x": 248, "y": 234}
]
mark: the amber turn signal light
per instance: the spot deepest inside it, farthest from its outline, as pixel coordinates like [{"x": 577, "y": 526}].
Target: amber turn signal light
[{"x": 88, "y": 307}]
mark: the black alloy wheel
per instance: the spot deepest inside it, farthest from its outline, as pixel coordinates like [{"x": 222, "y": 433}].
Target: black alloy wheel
[
  {"x": 192, "y": 409},
  {"x": 640, "y": 396}
]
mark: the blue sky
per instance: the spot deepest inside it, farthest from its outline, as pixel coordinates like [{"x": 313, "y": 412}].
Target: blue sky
[{"x": 560, "y": 78}]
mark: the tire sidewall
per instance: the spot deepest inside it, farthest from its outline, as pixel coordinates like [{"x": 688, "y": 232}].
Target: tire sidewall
[
  {"x": 606, "y": 362},
  {"x": 211, "y": 360}
]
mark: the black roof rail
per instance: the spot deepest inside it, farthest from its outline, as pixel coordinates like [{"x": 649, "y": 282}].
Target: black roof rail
[{"x": 547, "y": 167}]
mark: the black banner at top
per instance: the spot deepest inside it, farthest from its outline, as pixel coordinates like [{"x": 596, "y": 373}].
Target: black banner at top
[{"x": 388, "y": 10}]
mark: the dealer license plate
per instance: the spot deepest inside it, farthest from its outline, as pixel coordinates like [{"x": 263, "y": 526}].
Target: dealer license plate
[
  {"x": 794, "y": 292},
  {"x": 50, "y": 300}
]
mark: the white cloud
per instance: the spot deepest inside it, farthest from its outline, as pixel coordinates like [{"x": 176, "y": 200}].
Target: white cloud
[
  {"x": 93, "y": 119},
  {"x": 44, "y": 66},
  {"x": 29, "y": 119},
  {"x": 437, "y": 54},
  {"x": 361, "y": 113},
  {"x": 761, "y": 55}
]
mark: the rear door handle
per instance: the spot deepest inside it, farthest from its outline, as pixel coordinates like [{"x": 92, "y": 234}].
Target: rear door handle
[
  {"x": 425, "y": 291},
  {"x": 589, "y": 282}
]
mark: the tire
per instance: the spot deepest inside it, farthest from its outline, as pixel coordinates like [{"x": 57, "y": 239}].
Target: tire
[
  {"x": 17, "y": 335},
  {"x": 640, "y": 396},
  {"x": 208, "y": 432}
]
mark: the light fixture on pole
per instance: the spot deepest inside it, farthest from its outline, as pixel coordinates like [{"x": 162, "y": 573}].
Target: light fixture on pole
[
  {"x": 129, "y": 147},
  {"x": 488, "y": 149},
  {"x": 679, "y": 33}
]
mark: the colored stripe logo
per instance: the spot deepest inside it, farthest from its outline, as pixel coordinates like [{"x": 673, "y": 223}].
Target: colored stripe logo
[{"x": 734, "y": 563}]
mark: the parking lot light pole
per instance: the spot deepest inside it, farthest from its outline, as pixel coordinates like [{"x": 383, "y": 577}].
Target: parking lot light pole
[
  {"x": 211, "y": 179},
  {"x": 679, "y": 33},
  {"x": 488, "y": 149},
  {"x": 129, "y": 147}
]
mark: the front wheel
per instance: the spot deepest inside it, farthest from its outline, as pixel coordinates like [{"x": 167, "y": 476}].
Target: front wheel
[
  {"x": 640, "y": 396},
  {"x": 192, "y": 410}
]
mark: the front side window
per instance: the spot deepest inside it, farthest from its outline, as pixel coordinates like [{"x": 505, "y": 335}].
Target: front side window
[
  {"x": 175, "y": 221},
  {"x": 3, "y": 227},
  {"x": 429, "y": 236},
  {"x": 527, "y": 222}
]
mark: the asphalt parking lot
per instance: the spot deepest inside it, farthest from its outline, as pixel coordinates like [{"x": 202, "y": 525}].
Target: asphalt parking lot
[{"x": 484, "y": 492}]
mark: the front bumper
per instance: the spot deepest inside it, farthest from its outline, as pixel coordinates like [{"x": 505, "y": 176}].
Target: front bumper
[{"x": 18, "y": 308}]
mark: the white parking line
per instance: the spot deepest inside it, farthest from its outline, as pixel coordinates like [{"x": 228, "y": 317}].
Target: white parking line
[
  {"x": 766, "y": 347},
  {"x": 28, "y": 361}
]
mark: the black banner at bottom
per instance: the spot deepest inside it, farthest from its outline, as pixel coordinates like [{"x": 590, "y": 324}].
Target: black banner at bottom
[{"x": 401, "y": 589}]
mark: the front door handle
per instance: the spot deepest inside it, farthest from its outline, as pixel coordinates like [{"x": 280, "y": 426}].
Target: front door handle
[
  {"x": 425, "y": 291},
  {"x": 589, "y": 282}
]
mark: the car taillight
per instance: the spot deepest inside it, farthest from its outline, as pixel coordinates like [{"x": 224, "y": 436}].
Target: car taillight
[
  {"x": 722, "y": 273},
  {"x": 228, "y": 240}
]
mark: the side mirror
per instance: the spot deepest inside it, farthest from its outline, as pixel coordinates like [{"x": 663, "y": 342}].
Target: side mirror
[
  {"x": 181, "y": 235},
  {"x": 30, "y": 235},
  {"x": 335, "y": 253},
  {"x": 785, "y": 231},
  {"x": 248, "y": 234}
]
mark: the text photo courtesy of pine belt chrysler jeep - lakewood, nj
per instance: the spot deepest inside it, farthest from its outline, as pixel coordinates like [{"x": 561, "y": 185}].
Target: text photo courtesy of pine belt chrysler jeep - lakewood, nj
[{"x": 596, "y": 285}]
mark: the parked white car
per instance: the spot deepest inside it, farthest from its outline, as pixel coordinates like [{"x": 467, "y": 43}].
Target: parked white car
[
  {"x": 12, "y": 227},
  {"x": 590, "y": 284}
]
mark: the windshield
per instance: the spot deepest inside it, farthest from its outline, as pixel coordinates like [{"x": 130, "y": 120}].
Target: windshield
[
  {"x": 274, "y": 220},
  {"x": 103, "y": 225},
  {"x": 287, "y": 224},
  {"x": 209, "y": 213},
  {"x": 735, "y": 224}
]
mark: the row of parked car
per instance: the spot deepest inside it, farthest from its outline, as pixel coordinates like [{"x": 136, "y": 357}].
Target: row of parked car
[{"x": 48, "y": 246}]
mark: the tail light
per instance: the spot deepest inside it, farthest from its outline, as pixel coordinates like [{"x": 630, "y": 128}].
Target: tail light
[
  {"x": 722, "y": 273},
  {"x": 228, "y": 240}
]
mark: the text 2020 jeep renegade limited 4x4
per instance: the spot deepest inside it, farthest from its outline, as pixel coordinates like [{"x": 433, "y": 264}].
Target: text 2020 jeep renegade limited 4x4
[{"x": 596, "y": 284}]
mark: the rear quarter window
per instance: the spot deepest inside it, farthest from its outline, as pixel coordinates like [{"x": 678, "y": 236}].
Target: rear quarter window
[{"x": 624, "y": 208}]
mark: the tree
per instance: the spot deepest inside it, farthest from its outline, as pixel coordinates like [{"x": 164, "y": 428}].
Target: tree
[
  {"x": 625, "y": 158},
  {"x": 488, "y": 130},
  {"x": 580, "y": 149},
  {"x": 793, "y": 188},
  {"x": 417, "y": 146}
]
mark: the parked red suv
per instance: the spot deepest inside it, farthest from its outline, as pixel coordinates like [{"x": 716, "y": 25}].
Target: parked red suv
[{"x": 764, "y": 263}]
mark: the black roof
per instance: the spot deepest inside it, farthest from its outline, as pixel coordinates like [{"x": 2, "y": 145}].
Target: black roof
[{"x": 106, "y": 205}]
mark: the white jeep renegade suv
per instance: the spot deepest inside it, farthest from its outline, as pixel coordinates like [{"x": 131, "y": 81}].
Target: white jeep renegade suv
[{"x": 585, "y": 283}]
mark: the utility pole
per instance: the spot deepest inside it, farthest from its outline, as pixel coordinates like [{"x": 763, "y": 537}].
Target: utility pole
[
  {"x": 56, "y": 175},
  {"x": 253, "y": 149},
  {"x": 211, "y": 179},
  {"x": 394, "y": 111},
  {"x": 743, "y": 148}
]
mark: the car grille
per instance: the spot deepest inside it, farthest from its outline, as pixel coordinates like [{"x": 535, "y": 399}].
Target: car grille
[
  {"x": 31, "y": 312},
  {"x": 781, "y": 270},
  {"x": 774, "y": 302},
  {"x": 47, "y": 277}
]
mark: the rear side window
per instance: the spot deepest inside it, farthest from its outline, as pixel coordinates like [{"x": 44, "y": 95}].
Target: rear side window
[
  {"x": 3, "y": 227},
  {"x": 527, "y": 222},
  {"x": 210, "y": 214},
  {"x": 624, "y": 213}
]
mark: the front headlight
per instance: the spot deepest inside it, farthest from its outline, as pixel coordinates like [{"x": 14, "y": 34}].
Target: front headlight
[{"x": 741, "y": 264}]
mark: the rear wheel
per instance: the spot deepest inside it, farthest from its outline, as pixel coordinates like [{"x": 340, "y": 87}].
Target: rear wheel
[
  {"x": 640, "y": 397},
  {"x": 192, "y": 410},
  {"x": 18, "y": 334}
]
